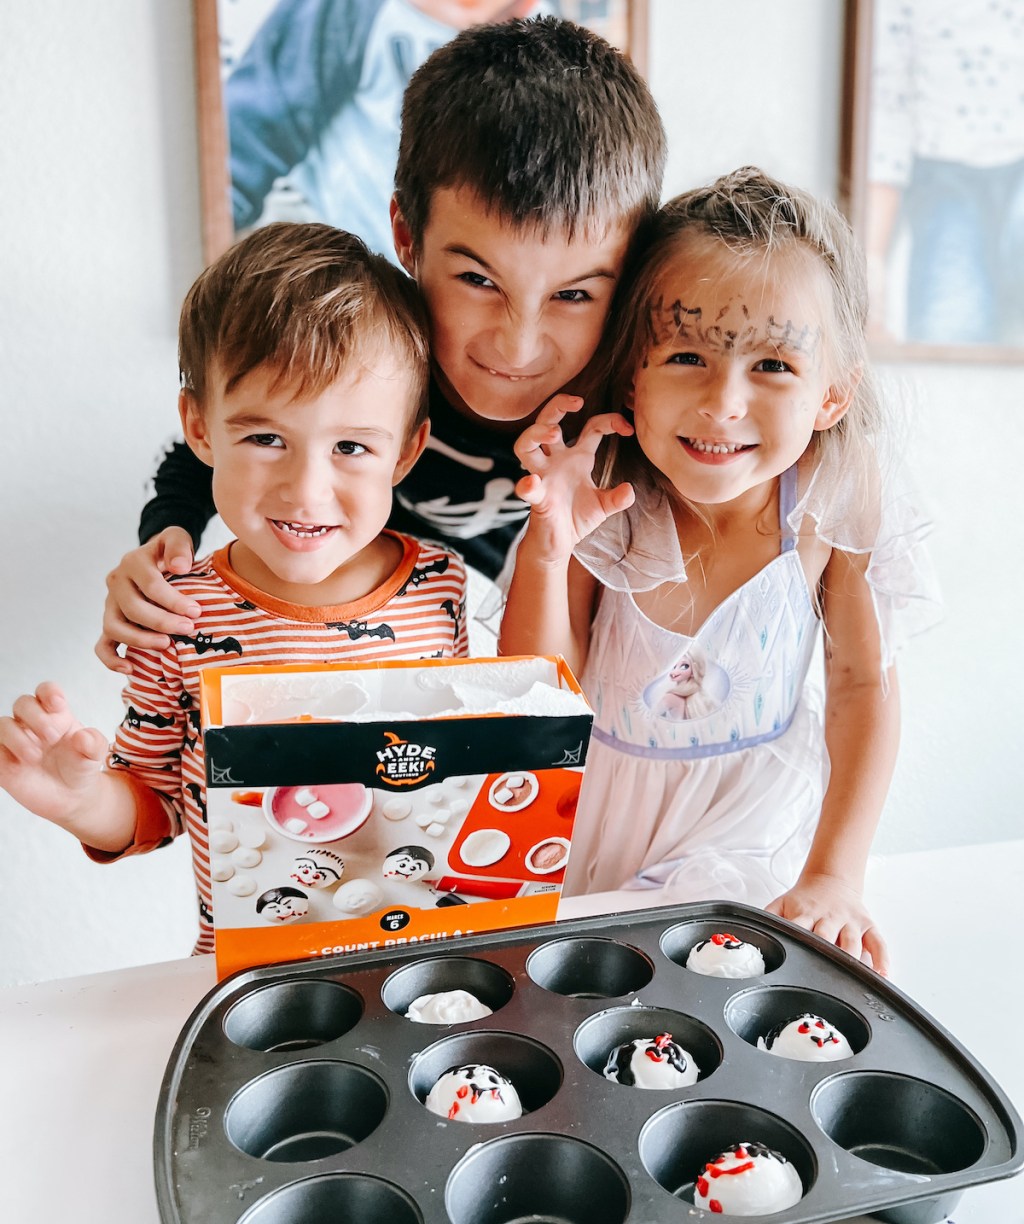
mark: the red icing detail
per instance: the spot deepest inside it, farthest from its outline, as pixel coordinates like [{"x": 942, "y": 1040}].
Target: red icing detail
[
  {"x": 454, "y": 1109},
  {"x": 804, "y": 1028},
  {"x": 714, "y": 1205},
  {"x": 724, "y": 937},
  {"x": 820, "y": 1024},
  {"x": 716, "y": 1169},
  {"x": 461, "y": 1092},
  {"x": 834, "y": 1038},
  {"x": 702, "y": 1186}
]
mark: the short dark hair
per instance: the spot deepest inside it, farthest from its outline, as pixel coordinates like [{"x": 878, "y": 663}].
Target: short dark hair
[
  {"x": 306, "y": 300},
  {"x": 549, "y": 124}
]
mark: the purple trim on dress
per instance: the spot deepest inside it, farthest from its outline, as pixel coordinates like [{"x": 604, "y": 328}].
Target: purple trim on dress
[{"x": 694, "y": 752}]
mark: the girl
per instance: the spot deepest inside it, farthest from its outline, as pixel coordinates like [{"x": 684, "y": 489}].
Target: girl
[{"x": 748, "y": 497}]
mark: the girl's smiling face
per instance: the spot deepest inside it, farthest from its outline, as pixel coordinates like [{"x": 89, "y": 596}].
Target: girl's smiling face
[{"x": 738, "y": 376}]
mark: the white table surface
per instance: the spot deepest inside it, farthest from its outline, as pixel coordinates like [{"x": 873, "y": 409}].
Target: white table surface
[{"x": 81, "y": 1059}]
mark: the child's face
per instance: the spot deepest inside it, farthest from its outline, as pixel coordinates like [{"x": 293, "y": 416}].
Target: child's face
[
  {"x": 463, "y": 13},
  {"x": 306, "y": 484},
  {"x": 738, "y": 378},
  {"x": 514, "y": 316}
]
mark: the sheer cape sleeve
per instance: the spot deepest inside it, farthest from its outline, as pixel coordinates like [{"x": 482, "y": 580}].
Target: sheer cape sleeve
[
  {"x": 886, "y": 516},
  {"x": 882, "y": 515}
]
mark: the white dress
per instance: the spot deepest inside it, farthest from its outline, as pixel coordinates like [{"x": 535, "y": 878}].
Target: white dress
[{"x": 707, "y": 765}]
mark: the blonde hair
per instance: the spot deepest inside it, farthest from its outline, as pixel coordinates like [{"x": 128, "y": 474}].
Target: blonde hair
[{"x": 757, "y": 215}]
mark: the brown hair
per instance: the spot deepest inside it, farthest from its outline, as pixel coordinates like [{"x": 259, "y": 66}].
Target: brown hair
[
  {"x": 545, "y": 121},
  {"x": 307, "y": 300}
]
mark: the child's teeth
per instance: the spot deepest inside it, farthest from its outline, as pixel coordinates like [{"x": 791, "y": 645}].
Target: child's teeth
[
  {"x": 715, "y": 448},
  {"x": 298, "y": 529}
]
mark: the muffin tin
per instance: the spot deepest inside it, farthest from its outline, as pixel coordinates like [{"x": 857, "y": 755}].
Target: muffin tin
[{"x": 294, "y": 1094}]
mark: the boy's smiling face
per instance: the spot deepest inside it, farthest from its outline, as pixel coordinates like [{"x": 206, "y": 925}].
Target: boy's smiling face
[
  {"x": 306, "y": 484},
  {"x": 515, "y": 315}
]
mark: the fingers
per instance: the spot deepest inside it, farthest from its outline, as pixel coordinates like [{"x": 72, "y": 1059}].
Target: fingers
[
  {"x": 141, "y": 594},
  {"x": 556, "y": 408},
  {"x": 41, "y": 718},
  {"x": 106, "y": 651},
  {"x": 613, "y": 501},
  {"x": 175, "y": 550},
  {"x": 536, "y": 443},
  {"x": 600, "y": 427},
  {"x": 530, "y": 489},
  {"x": 89, "y": 743},
  {"x": 876, "y": 947}
]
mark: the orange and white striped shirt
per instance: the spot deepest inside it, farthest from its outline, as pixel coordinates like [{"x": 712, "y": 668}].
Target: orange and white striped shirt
[{"x": 418, "y": 613}]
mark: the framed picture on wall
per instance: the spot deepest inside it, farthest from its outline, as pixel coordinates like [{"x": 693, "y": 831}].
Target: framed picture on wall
[
  {"x": 934, "y": 174},
  {"x": 299, "y": 100}
]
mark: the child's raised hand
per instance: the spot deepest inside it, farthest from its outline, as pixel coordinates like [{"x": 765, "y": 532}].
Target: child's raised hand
[
  {"x": 49, "y": 762},
  {"x": 565, "y": 504},
  {"x": 832, "y": 909},
  {"x": 142, "y": 607}
]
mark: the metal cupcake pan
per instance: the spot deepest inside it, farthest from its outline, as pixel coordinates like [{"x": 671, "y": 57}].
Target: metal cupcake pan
[{"x": 294, "y": 1094}]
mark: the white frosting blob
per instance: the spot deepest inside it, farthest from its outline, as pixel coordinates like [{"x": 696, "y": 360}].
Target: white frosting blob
[
  {"x": 484, "y": 847},
  {"x": 723, "y": 955},
  {"x": 358, "y": 896},
  {"x": 808, "y": 1038},
  {"x": 770, "y": 1184},
  {"x": 650, "y": 1064},
  {"x": 474, "y": 1093},
  {"x": 447, "y": 1007},
  {"x": 396, "y": 809}
]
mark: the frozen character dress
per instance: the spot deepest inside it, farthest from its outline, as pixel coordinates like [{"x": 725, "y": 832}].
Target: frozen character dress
[{"x": 707, "y": 763}]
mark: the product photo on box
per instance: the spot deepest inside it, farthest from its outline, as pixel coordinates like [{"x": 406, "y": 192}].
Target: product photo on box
[{"x": 357, "y": 807}]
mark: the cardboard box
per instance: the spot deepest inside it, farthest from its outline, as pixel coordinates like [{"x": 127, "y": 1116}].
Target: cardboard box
[{"x": 363, "y": 806}]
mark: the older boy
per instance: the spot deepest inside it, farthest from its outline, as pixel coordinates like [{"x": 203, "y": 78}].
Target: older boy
[
  {"x": 531, "y": 152},
  {"x": 304, "y": 369}
]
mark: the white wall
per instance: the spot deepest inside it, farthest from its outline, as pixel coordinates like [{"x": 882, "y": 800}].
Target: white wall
[{"x": 101, "y": 234}]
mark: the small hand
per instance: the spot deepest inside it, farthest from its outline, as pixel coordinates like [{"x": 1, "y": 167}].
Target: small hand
[
  {"x": 835, "y": 911},
  {"x": 565, "y": 504},
  {"x": 142, "y": 607},
  {"x": 49, "y": 762}
]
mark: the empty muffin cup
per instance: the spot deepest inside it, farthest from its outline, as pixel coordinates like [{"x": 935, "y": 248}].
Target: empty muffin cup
[
  {"x": 898, "y": 1122},
  {"x": 589, "y": 968},
  {"x": 293, "y": 1015},
  {"x": 538, "y": 1177},
  {"x": 335, "y": 1196},
  {"x": 306, "y": 1111}
]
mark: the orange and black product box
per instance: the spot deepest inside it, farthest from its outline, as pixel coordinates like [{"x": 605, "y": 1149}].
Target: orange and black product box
[{"x": 366, "y": 806}]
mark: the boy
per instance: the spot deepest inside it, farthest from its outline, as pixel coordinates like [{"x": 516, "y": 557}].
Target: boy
[
  {"x": 304, "y": 365},
  {"x": 531, "y": 152}
]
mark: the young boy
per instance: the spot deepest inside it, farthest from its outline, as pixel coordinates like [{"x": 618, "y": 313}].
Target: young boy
[
  {"x": 531, "y": 152},
  {"x": 304, "y": 365}
]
